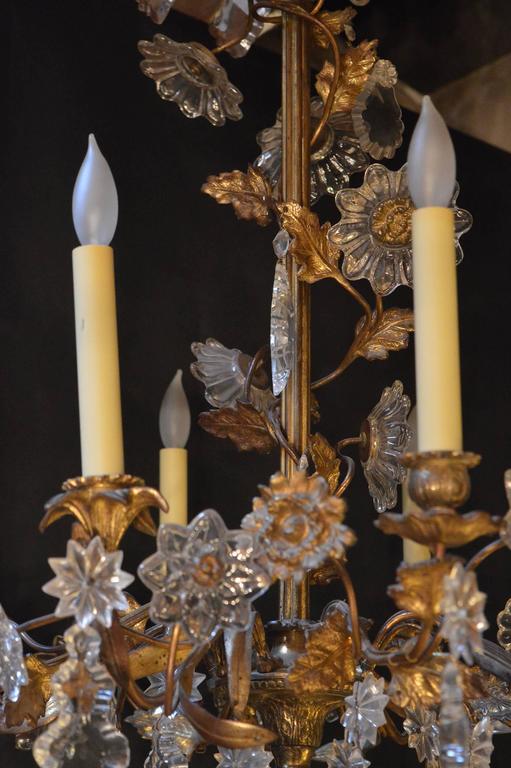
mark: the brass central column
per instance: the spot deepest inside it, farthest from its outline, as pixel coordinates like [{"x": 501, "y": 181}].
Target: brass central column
[{"x": 294, "y": 602}]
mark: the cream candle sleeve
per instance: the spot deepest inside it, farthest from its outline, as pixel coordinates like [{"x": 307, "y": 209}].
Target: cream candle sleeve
[
  {"x": 437, "y": 365},
  {"x": 174, "y": 484},
  {"x": 412, "y": 552},
  {"x": 97, "y": 360}
]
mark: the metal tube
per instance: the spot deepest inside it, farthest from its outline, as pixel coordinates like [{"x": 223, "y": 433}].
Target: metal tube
[{"x": 294, "y": 599}]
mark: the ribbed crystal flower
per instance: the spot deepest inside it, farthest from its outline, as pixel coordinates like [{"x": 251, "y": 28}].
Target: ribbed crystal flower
[
  {"x": 157, "y": 10},
  {"x": 88, "y": 583},
  {"x": 225, "y": 26},
  {"x": 13, "y": 672},
  {"x": 335, "y": 156},
  {"x": 340, "y": 754},
  {"x": 165, "y": 751},
  {"x": 481, "y": 744},
  {"x": 365, "y": 711},
  {"x": 223, "y": 372},
  {"x": 376, "y": 114},
  {"x": 84, "y": 733},
  {"x": 298, "y": 524},
  {"x": 375, "y": 230},
  {"x": 422, "y": 729},
  {"x": 251, "y": 757},
  {"x": 386, "y": 436},
  {"x": 203, "y": 576},
  {"x": 190, "y": 75},
  {"x": 463, "y": 609}
]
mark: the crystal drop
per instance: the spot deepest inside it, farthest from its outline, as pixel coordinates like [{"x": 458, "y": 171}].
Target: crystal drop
[
  {"x": 281, "y": 243},
  {"x": 282, "y": 329},
  {"x": 453, "y": 722},
  {"x": 165, "y": 752}
]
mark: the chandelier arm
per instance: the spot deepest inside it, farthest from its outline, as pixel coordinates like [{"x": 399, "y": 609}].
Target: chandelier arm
[
  {"x": 40, "y": 647},
  {"x": 319, "y": 5},
  {"x": 393, "y": 624},
  {"x": 353, "y": 606},
  {"x": 275, "y": 427},
  {"x": 140, "y": 700},
  {"x": 347, "y": 360},
  {"x": 348, "y": 477},
  {"x": 169, "y": 673},
  {"x": 40, "y": 621},
  {"x": 379, "y": 307},
  {"x": 258, "y": 358},
  {"x": 296, "y": 10},
  {"x": 423, "y": 643},
  {"x": 484, "y": 553},
  {"x": 144, "y": 638}
]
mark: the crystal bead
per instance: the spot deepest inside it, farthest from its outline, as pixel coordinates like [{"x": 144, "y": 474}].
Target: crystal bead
[
  {"x": 454, "y": 725},
  {"x": 282, "y": 328},
  {"x": 13, "y": 673}
]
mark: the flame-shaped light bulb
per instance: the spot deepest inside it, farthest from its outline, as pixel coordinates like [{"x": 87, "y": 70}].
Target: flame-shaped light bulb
[
  {"x": 95, "y": 204},
  {"x": 175, "y": 414},
  {"x": 431, "y": 160}
]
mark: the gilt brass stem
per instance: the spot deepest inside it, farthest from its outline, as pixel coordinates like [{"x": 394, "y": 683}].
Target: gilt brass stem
[{"x": 294, "y": 598}]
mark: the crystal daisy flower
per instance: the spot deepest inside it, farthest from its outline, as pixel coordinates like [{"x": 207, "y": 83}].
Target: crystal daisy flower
[
  {"x": 463, "y": 609},
  {"x": 423, "y": 734},
  {"x": 375, "y": 230},
  {"x": 365, "y": 711}
]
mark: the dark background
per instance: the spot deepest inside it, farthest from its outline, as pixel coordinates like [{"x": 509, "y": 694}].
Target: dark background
[{"x": 187, "y": 269}]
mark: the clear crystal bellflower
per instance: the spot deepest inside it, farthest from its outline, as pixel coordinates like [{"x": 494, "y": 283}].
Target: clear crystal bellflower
[
  {"x": 423, "y": 734},
  {"x": 463, "y": 609},
  {"x": 340, "y": 754},
  {"x": 13, "y": 672},
  {"x": 190, "y": 75},
  {"x": 251, "y": 757},
  {"x": 386, "y": 436},
  {"x": 88, "y": 583},
  {"x": 203, "y": 576},
  {"x": 365, "y": 711}
]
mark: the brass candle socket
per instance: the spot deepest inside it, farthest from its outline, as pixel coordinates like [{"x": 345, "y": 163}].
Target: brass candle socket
[{"x": 438, "y": 480}]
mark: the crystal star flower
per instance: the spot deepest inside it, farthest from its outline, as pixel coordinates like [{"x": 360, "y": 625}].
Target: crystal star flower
[
  {"x": 165, "y": 751},
  {"x": 376, "y": 114},
  {"x": 298, "y": 524},
  {"x": 340, "y": 754},
  {"x": 422, "y": 729},
  {"x": 88, "y": 583},
  {"x": 365, "y": 711},
  {"x": 251, "y": 757},
  {"x": 335, "y": 156},
  {"x": 203, "y": 576},
  {"x": 375, "y": 230},
  {"x": 223, "y": 372},
  {"x": 385, "y": 437},
  {"x": 463, "y": 609},
  {"x": 13, "y": 672},
  {"x": 190, "y": 75},
  {"x": 481, "y": 744}
]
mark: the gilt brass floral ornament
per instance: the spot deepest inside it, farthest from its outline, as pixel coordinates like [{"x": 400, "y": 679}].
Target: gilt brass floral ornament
[
  {"x": 298, "y": 525},
  {"x": 420, "y": 587},
  {"x": 325, "y": 460},
  {"x": 388, "y": 332},
  {"x": 375, "y": 233},
  {"x": 385, "y": 438},
  {"x": 337, "y": 22},
  {"x": 89, "y": 583},
  {"x": 203, "y": 576},
  {"x": 247, "y": 427},
  {"x": 105, "y": 507},
  {"x": 190, "y": 75},
  {"x": 356, "y": 64},
  {"x": 463, "y": 608},
  {"x": 328, "y": 662},
  {"x": 317, "y": 258},
  {"x": 30, "y": 709},
  {"x": 431, "y": 528},
  {"x": 250, "y": 194}
]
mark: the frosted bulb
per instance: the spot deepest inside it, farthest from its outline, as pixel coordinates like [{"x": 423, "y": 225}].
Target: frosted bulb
[
  {"x": 95, "y": 205},
  {"x": 431, "y": 160},
  {"x": 175, "y": 414}
]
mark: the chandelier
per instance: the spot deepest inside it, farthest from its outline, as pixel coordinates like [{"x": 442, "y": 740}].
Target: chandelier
[{"x": 425, "y": 679}]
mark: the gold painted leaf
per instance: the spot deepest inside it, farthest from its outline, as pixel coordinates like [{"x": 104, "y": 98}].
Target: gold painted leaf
[
  {"x": 249, "y": 193},
  {"x": 419, "y": 684},
  {"x": 431, "y": 528},
  {"x": 356, "y": 64},
  {"x": 389, "y": 334},
  {"x": 328, "y": 661},
  {"x": 244, "y": 425},
  {"x": 421, "y": 586},
  {"x": 325, "y": 460},
  {"x": 310, "y": 246},
  {"x": 336, "y": 21},
  {"x": 31, "y": 704}
]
